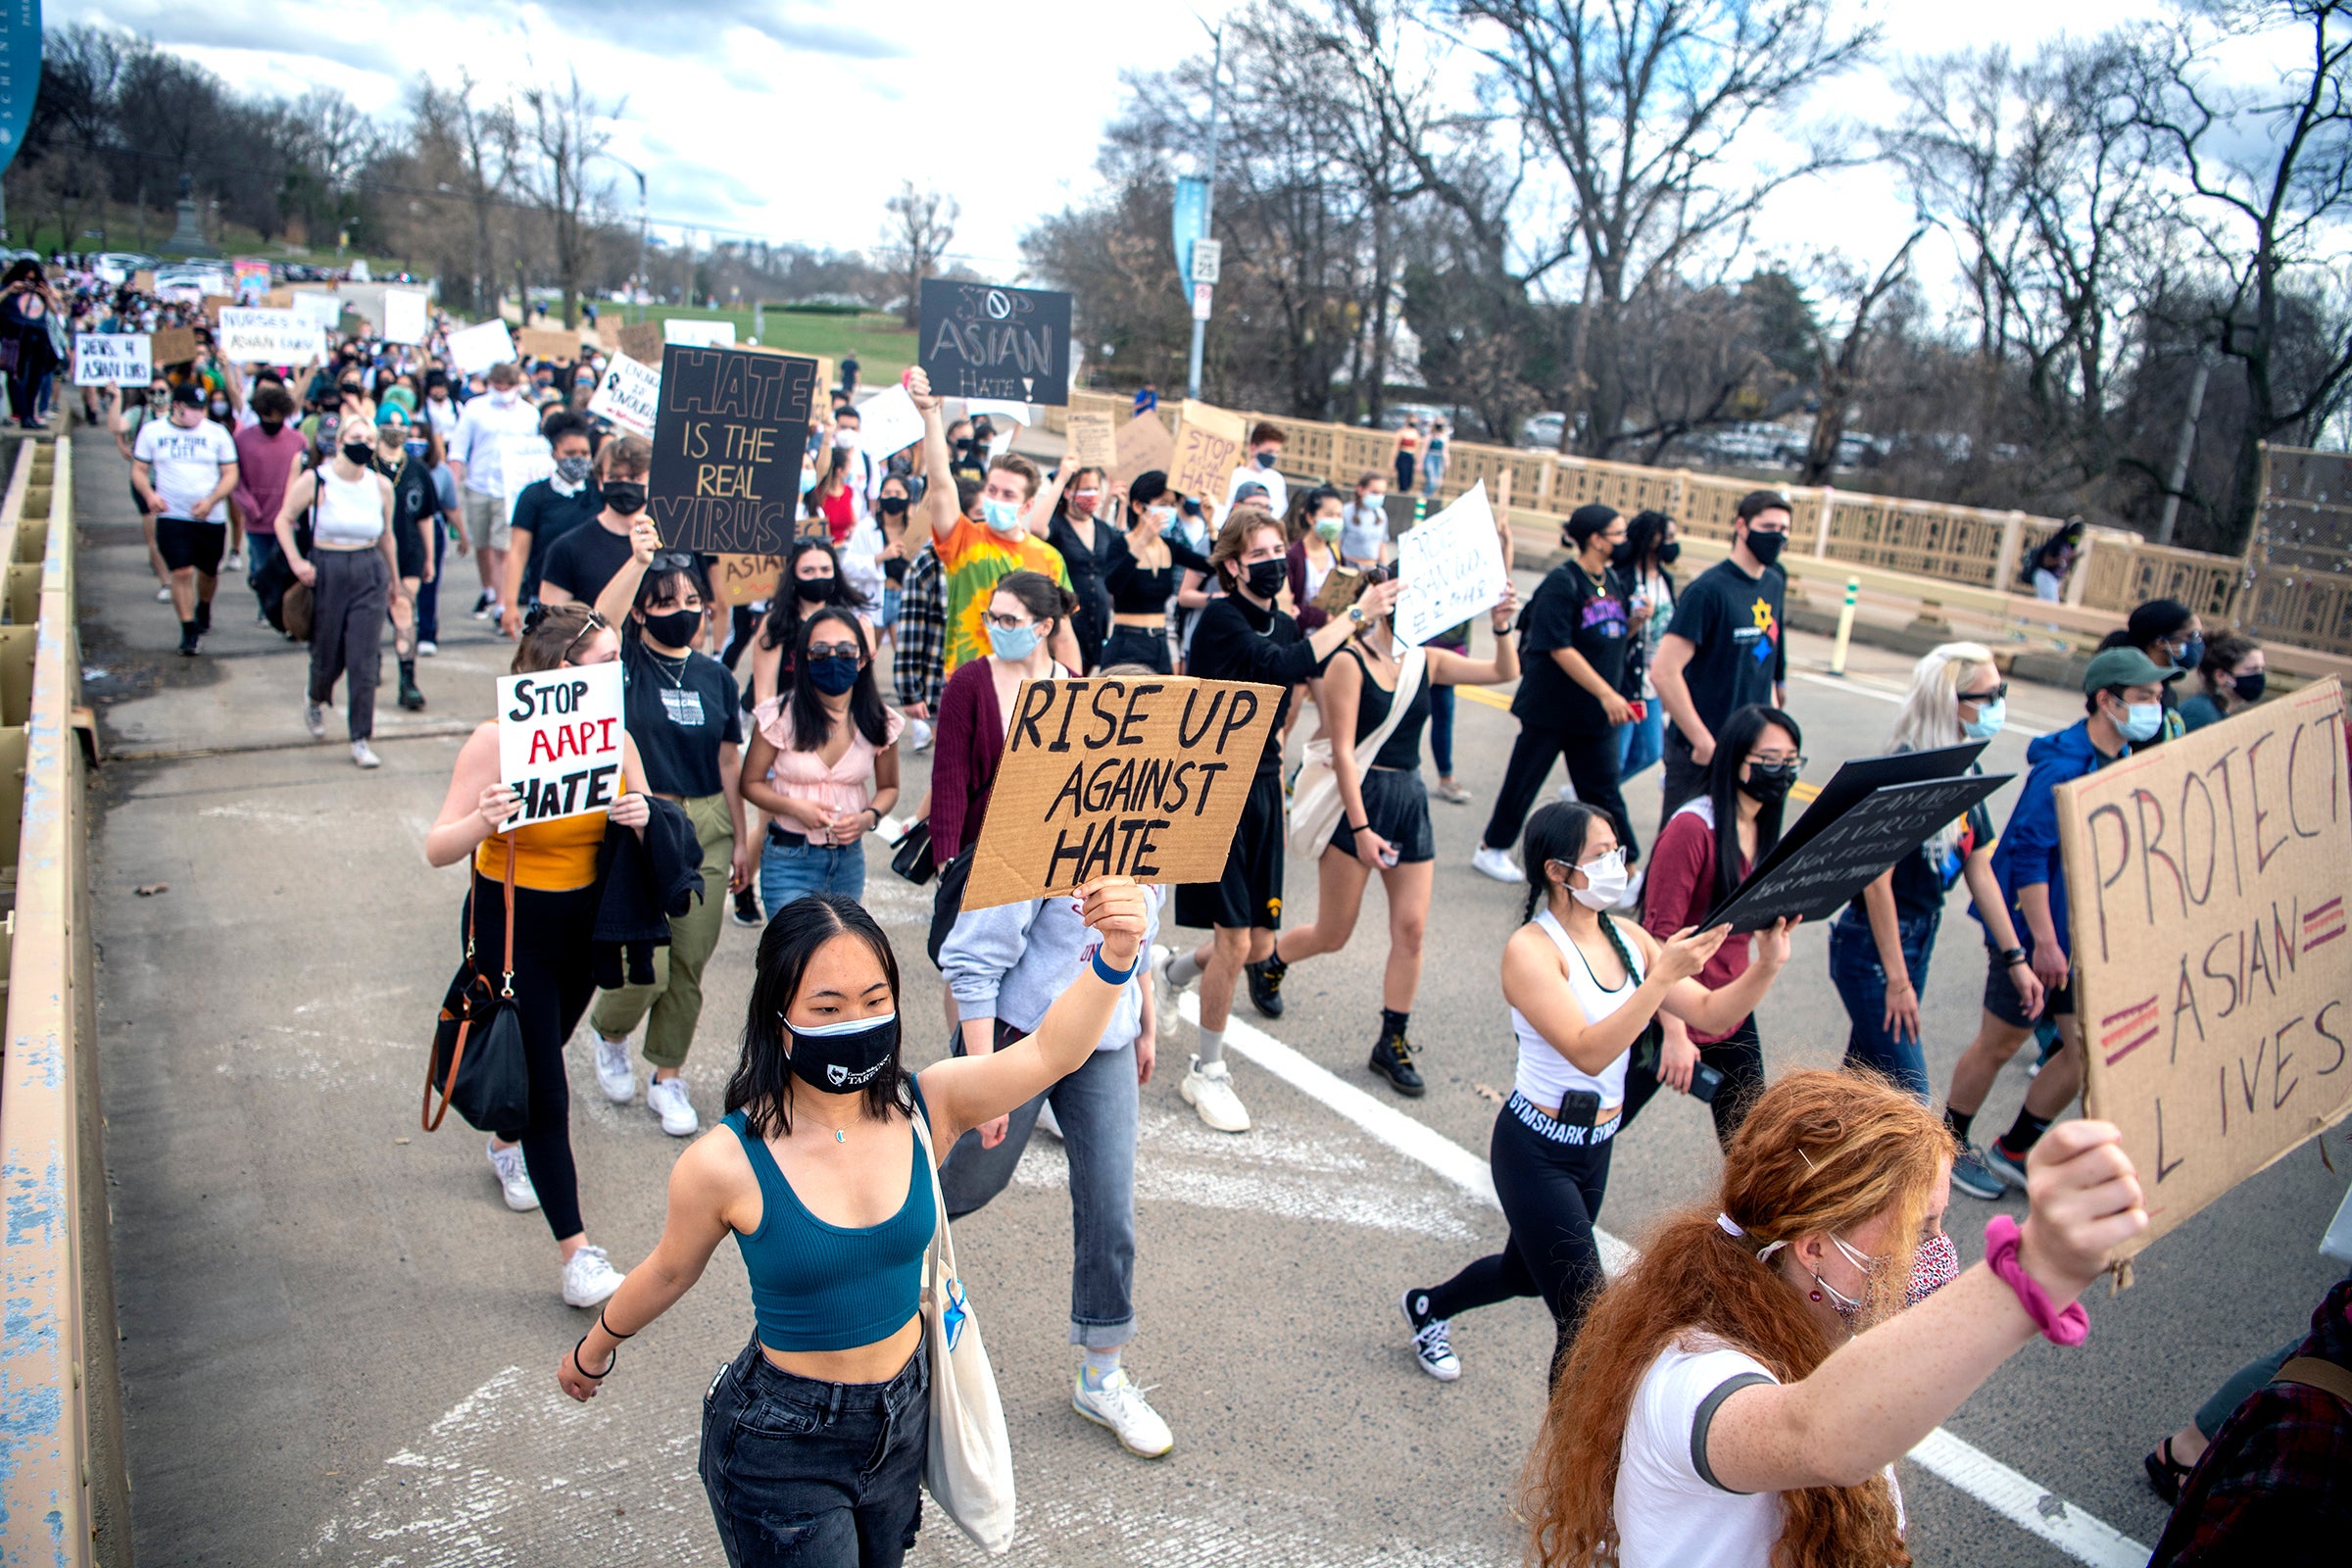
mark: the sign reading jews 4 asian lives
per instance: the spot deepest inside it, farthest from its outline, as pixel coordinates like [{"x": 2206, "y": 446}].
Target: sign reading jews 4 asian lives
[
  {"x": 1109, "y": 777},
  {"x": 982, "y": 340},
  {"x": 112, "y": 359},
  {"x": 562, "y": 741},
  {"x": 1451, "y": 568},
  {"x": 2205, "y": 890},
  {"x": 728, "y": 436},
  {"x": 629, "y": 395}
]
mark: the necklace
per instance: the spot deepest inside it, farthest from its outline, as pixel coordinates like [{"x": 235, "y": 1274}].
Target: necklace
[
  {"x": 841, "y": 1135},
  {"x": 676, "y": 676}
]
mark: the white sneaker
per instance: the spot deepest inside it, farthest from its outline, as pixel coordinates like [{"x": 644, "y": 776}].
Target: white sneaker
[
  {"x": 1496, "y": 863},
  {"x": 163, "y": 596},
  {"x": 668, "y": 1097},
  {"x": 613, "y": 1073},
  {"x": 1119, "y": 1405},
  {"x": 515, "y": 1177},
  {"x": 590, "y": 1278},
  {"x": 428, "y": 649},
  {"x": 1046, "y": 1121},
  {"x": 232, "y": 562},
  {"x": 314, "y": 718},
  {"x": 365, "y": 755},
  {"x": 1208, "y": 1090},
  {"x": 922, "y": 733},
  {"x": 1568, "y": 793}
]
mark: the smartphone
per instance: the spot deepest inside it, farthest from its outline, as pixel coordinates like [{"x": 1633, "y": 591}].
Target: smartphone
[
  {"x": 1579, "y": 1108},
  {"x": 1704, "y": 1081},
  {"x": 1387, "y": 857}
]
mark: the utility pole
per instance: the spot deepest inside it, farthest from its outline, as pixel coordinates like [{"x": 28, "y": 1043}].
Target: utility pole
[
  {"x": 1208, "y": 206},
  {"x": 2187, "y": 445}
]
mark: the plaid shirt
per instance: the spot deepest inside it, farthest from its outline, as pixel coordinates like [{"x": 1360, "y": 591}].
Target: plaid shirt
[
  {"x": 2272, "y": 1485},
  {"x": 921, "y": 632}
]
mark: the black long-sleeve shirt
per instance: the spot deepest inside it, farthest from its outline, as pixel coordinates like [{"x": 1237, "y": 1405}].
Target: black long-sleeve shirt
[{"x": 1238, "y": 641}]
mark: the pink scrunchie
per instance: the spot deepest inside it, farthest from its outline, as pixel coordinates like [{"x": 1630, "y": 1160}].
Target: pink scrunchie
[{"x": 2070, "y": 1327}]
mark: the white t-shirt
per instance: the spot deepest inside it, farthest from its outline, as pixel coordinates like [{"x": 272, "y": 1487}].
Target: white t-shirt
[
  {"x": 1668, "y": 1514},
  {"x": 483, "y": 429},
  {"x": 186, "y": 464},
  {"x": 1278, "y": 489}
]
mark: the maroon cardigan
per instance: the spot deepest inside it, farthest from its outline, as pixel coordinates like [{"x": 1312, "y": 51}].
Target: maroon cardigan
[{"x": 964, "y": 759}]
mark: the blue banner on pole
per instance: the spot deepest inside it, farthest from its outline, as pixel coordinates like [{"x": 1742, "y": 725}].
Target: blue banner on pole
[
  {"x": 1191, "y": 223},
  {"x": 20, "y": 72}
]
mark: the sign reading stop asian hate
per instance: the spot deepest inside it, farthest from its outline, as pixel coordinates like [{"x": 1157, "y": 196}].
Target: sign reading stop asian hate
[
  {"x": 984, "y": 340},
  {"x": 2205, "y": 890},
  {"x": 728, "y": 436},
  {"x": 562, "y": 741}
]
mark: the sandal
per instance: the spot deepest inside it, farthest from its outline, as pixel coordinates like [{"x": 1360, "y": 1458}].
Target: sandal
[{"x": 2166, "y": 1474}]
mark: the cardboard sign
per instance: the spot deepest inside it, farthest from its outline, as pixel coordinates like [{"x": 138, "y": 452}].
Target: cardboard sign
[
  {"x": 1816, "y": 879},
  {"x": 405, "y": 315},
  {"x": 474, "y": 350},
  {"x": 178, "y": 345},
  {"x": 980, "y": 340},
  {"x": 1451, "y": 568},
  {"x": 1140, "y": 777},
  {"x": 215, "y": 304},
  {"x": 2205, "y": 892},
  {"x": 277, "y": 299},
  {"x": 728, "y": 435},
  {"x": 548, "y": 342},
  {"x": 561, "y": 741},
  {"x": 523, "y": 461},
  {"x": 1144, "y": 447},
  {"x": 1339, "y": 590},
  {"x": 629, "y": 395},
  {"x": 112, "y": 359},
  {"x": 888, "y": 422},
  {"x": 698, "y": 334},
  {"x": 265, "y": 337},
  {"x": 1093, "y": 442},
  {"x": 746, "y": 580},
  {"x": 641, "y": 342},
  {"x": 1207, "y": 449}
]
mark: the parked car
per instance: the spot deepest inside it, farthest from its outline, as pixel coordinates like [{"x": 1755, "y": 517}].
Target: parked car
[
  {"x": 116, "y": 267},
  {"x": 203, "y": 280},
  {"x": 1543, "y": 430}
]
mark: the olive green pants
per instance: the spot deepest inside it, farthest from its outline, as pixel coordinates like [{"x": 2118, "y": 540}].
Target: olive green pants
[{"x": 674, "y": 998}]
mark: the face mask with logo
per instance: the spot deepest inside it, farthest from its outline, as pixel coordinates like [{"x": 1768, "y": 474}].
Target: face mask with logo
[
  {"x": 833, "y": 674},
  {"x": 674, "y": 628},
  {"x": 625, "y": 495},
  {"x": 1769, "y": 781},
  {"x": 1266, "y": 577},
  {"x": 1765, "y": 547},
  {"x": 2249, "y": 688},
  {"x": 572, "y": 471},
  {"x": 1327, "y": 528},
  {"x": 1004, "y": 516},
  {"x": 1988, "y": 720},
  {"x": 2142, "y": 721},
  {"x": 843, "y": 1057},
  {"x": 1607, "y": 878},
  {"x": 1012, "y": 642}
]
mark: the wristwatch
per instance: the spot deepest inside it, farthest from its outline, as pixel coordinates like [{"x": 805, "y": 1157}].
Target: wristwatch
[
  {"x": 1355, "y": 614},
  {"x": 2012, "y": 957}
]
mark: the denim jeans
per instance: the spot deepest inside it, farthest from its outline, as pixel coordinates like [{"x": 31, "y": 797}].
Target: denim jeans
[
  {"x": 1441, "y": 729},
  {"x": 1642, "y": 742},
  {"x": 788, "y": 871},
  {"x": 1861, "y": 982},
  {"x": 816, "y": 1475},
  {"x": 1096, "y": 1106}
]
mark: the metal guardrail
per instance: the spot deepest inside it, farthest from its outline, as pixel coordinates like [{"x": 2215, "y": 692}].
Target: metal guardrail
[{"x": 64, "y": 1493}]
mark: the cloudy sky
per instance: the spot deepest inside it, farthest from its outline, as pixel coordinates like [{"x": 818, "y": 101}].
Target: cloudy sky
[{"x": 794, "y": 119}]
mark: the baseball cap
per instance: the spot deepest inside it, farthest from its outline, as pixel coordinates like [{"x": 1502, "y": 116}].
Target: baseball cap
[{"x": 2126, "y": 667}]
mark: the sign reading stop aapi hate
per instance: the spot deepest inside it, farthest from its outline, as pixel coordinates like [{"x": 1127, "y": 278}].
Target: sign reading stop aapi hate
[
  {"x": 2205, "y": 892},
  {"x": 562, "y": 741},
  {"x": 1144, "y": 778},
  {"x": 728, "y": 435}
]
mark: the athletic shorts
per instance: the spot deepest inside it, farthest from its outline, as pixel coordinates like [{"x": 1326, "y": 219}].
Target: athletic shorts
[
  {"x": 185, "y": 542},
  {"x": 2003, "y": 1003},
  {"x": 408, "y": 543},
  {"x": 1249, "y": 893},
  {"x": 486, "y": 521},
  {"x": 1396, "y": 807}
]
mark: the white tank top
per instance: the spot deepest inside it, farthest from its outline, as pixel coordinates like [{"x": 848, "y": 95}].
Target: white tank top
[
  {"x": 350, "y": 512},
  {"x": 1544, "y": 1075}
]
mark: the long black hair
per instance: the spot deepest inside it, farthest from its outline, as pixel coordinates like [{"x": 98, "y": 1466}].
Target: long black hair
[
  {"x": 667, "y": 568},
  {"x": 1643, "y": 534},
  {"x": 782, "y": 628},
  {"x": 812, "y": 726},
  {"x": 1733, "y": 742},
  {"x": 1555, "y": 832},
  {"x": 761, "y": 1085}
]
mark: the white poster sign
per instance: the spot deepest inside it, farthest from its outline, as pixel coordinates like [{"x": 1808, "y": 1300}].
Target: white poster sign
[
  {"x": 698, "y": 334},
  {"x": 1451, "y": 568},
  {"x": 322, "y": 311},
  {"x": 479, "y": 347},
  {"x": 269, "y": 337},
  {"x": 629, "y": 395},
  {"x": 561, "y": 740},
  {"x": 998, "y": 409},
  {"x": 112, "y": 359},
  {"x": 404, "y": 316},
  {"x": 524, "y": 460},
  {"x": 888, "y": 422}
]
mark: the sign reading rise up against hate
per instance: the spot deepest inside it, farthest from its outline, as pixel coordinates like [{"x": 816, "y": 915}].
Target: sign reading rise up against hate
[
  {"x": 982, "y": 340},
  {"x": 1144, "y": 778},
  {"x": 2205, "y": 891},
  {"x": 562, "y": 741},
  {"x": 728, "y": 436}
]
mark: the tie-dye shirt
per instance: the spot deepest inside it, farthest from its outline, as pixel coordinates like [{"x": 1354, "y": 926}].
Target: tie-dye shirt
[{"x": 972, "y": 560}]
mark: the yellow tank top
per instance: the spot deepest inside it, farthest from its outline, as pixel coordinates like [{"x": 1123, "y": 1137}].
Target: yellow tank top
[{"x": 549, "y": 857}]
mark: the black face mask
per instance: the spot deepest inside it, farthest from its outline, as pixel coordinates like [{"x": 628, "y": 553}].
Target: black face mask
[
  {"x": 1765, "y": 547},
  {"x": 1622, "y": 556},
  {"x": 359, "y": 454},
  {"x": 812, "y": 590},
  {"x": 625, "y": 495},
  {"x": 1670, "y": 552},
  {"x": 2249, "y": 687},
  {"x": 892, "y": 505},
  {"x": 674, "y": 628},
  {"x": 845, "y": 1062},
  {"x": 1769, "y": 782},
  {"x": 1266, "y": 577}
]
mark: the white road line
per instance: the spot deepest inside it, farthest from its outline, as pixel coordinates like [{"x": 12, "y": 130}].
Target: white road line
[
  {"x": 2022, "y": 1501},
  {"x": 1860, "y": 689}
]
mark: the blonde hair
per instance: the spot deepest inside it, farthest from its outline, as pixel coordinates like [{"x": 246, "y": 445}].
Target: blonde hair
[{"x": 1930, "y": 717}]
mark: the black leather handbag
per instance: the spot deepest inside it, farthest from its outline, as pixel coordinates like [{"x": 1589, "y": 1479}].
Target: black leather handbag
[
  {"x": 477, "y": 1063},
  {"x": 910, "y": 854}
]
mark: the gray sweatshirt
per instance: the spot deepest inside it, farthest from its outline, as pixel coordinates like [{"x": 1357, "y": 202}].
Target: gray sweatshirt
[{"x": 1011, "y": 961}]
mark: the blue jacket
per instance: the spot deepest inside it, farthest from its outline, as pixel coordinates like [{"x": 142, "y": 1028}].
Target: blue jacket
[
  {"x": 2028, "y": 852},
  {"x": 1012, "y": 961}
]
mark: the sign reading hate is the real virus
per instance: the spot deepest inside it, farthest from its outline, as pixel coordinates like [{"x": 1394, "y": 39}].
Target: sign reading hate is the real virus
[
  {"x": 728, "y": 436},
  {"x": 984, "y": 340},
  {"x": 562, "y": 741}
]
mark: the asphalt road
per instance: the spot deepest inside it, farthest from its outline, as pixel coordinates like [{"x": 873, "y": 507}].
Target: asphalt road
[{"x": 339, "y": 1347}]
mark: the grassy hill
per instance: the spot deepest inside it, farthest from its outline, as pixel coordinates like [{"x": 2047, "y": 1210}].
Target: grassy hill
[{"x": 883, "y": 347}]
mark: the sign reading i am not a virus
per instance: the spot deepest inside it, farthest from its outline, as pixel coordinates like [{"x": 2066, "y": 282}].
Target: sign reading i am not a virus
[
  {"x": 728, "y": 435},
  {"x": 562, "y": 741}
]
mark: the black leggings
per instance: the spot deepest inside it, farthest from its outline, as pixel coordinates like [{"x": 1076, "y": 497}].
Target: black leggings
[
  {"x": 553, "y": 982},
  {"x": 1551, "y": 1195},
  {"x": 1738, "y": 1056},
  {"x": 1591, "y": 767}
]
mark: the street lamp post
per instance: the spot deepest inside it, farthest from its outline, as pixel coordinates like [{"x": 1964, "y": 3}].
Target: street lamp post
[{"x": 1208, "y": 204}]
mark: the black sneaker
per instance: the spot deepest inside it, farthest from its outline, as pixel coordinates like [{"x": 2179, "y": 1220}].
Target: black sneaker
[
  {"x": 1265, "y": 985},
  {"x": 1393, "y": 1060},
  {"x": 187, "y": 645},
  {"x": 204, "y": 616},
  {"x": 1433, "y": 1345},
  {"x": 747, "y": 908}
]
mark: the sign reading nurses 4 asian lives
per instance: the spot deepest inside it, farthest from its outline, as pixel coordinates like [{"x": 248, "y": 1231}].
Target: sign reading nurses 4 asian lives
[
  {"x": 983, "y": 340},
  {"x": 2205, "y": 893},
  {"x": 728, "y": 435},
  {"x": 562, "y": 740}
]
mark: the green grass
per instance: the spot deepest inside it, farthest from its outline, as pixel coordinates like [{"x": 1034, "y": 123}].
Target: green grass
[{"x": 882, "y": 346}]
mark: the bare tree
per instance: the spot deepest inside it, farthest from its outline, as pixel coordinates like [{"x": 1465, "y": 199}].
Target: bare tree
[
  {"x": 920, "y": 228},
  {"x": 566, "y": 129},
  {"x": 1842, "y": 342}
]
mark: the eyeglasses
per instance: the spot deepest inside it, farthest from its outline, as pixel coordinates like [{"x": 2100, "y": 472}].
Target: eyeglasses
[
  {"x": 1997, "y": 694},
  {"x": 1796, "y": 759}
]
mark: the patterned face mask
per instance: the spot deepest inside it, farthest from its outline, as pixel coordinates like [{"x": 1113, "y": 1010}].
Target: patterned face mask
[{"x": 1935, "y": 1265}]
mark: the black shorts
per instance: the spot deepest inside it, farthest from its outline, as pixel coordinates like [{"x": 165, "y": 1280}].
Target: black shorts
[
  {"x": 185, "y": 542},
  {"x": 2003, "y": 1003},
  {"x": 1396, "y": 807},
  {"x": 1134, "y": 645},
  {"x": 1249, "y": 893},
  {"x": 408, "y": 543}
]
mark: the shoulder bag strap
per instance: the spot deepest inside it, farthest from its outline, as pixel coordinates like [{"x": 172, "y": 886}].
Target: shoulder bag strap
[
  {"x": 942, "y": 1264},
  {"x": 2319, "y": 1374},
  {"x": 506, "y": 987},
  {"x": 1408, "y": 684}
]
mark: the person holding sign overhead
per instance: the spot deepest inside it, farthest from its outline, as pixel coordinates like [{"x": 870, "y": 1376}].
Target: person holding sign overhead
[
  {"x": 553, "y": 866},
  {"x": 1244, "y": 636}
]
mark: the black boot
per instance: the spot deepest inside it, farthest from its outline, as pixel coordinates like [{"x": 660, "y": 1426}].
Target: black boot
[
  {"x": 1265, "y": 985},
  {"x": 410, "y": 697},
  {"x": 1393, "y": 1060},
  {"x": 187, "y": 638},
  {"x": 204, "y": 616}
]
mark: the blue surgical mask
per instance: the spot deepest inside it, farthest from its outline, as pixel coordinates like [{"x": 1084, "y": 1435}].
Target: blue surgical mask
[
  {"x": 1988, "y": 720},
  {"x": 2142, "y": 720},
  {"x": 1012, "y": 642},
  {"x": 1004, "y": 517},
  {"x": 414, "y": 449}
]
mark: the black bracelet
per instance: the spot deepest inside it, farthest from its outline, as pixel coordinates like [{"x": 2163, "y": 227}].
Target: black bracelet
[
  {"x": 607, "y": 1328},
  {"x": 594, "y": 1377},
  {"x": 2013, "y": 957},
  {"x": 1358, "y": 827}
]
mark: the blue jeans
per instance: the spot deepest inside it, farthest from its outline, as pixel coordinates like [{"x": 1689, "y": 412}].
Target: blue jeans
[
  {"x": 788, "y": 871},
  {"x": 1096, "y": 1106},
  {"x": 1861, "y": 982},
  {"x": 1441, "y": 729},
  {"x": 816, "y": 1475},
  {"x": 1642, "y": 742},
  {"x": 428, "y": 593},
  {"x": 1433, "y": 473}
]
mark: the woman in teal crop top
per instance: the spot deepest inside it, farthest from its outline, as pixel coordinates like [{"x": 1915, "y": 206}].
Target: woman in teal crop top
[{"x": 817, "y": 1173}]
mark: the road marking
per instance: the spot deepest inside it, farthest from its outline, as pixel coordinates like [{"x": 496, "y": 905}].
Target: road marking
[
  {"x": 1479, "y": 694},
  {"x": 2023, "y": 1502}
]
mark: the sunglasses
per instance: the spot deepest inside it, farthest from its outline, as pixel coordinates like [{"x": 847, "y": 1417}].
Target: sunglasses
[
  {"x": 1997, "y": 694},
  {"x": 540, "y": 611},
  {"x": 671, "y": 560}
]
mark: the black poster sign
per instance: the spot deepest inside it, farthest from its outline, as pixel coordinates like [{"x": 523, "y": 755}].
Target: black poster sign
[
  {"x": 980, "y": 340},
  {"x": 1813, "y": 879},
  {"x": 728, "y": 437}
]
